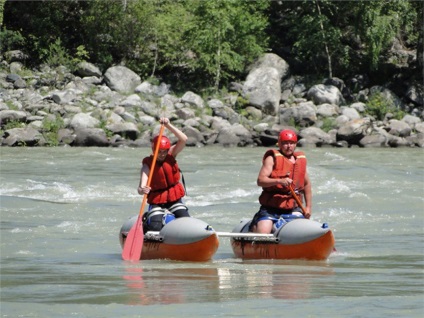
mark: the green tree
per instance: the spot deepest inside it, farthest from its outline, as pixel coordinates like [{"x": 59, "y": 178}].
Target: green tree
[
  {"x": 1, "y": 11},
  {"x": 311, "y": 31},
  {"x": 167, "y": 38},
  {"x": 350, "y": 36},
  {"x": 227, "y": 35},
  {"x": 146, "y": 35},
  {"x": 43, "y": 23},
  {"x": 112, "y": 32},
  {"x": 380, "y": 23}
]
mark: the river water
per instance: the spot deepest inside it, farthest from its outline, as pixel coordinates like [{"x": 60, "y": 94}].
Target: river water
[{"x": 62, "y": 209}]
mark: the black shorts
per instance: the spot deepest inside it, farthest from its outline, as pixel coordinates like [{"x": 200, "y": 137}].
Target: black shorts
[
  {"x": 178, "y": 208},
  {"x": 160, "y": 214}
]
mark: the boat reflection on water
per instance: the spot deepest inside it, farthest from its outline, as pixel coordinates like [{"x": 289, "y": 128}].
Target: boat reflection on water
[
  {"x": 226, "y": 282},
  {"x": 171, "y": 286}
]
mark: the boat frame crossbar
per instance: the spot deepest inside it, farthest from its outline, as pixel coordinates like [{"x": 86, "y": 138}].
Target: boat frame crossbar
[
  {"x": 249, "y": 236},
  {"x": 155, "y": 236}
]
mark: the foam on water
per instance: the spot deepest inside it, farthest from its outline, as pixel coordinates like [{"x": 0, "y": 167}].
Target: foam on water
[
  {"x": 333, "y": 185},
  {"x": 229, "y": 196},
  {"x": 61, "y": 192}
]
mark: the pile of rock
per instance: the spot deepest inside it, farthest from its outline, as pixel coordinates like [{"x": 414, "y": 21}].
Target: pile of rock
[{"x": 116, "y": 108}]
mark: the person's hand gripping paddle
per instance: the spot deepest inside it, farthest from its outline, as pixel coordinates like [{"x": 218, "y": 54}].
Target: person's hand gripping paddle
[
  {"x": 134, "y": 242},
  {"x": 299, "y": 203}
]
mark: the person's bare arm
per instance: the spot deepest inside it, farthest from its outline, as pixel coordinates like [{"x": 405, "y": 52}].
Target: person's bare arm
[
  {"x": 142, "y": 186},
  {"x": 182, "y": 138}
]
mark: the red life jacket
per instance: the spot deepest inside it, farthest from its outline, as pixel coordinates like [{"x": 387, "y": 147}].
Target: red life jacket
[
  {"x": 165, "y": 184},
  {"x": 279, "y": 196}
]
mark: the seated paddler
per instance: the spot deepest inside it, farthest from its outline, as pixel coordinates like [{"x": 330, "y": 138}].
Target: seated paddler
[
  {"x": 165, "y": 193},
  {"x": 281, "y": 169}
]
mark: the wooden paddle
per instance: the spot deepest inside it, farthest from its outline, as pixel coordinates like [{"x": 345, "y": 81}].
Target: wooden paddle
[
  {"x": 299, "y": 203},
  {"x": 134, "y": 242},
  {"x": 301, "y": 206}
]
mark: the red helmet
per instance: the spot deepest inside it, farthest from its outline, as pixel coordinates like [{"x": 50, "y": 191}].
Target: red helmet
[
  {"x": 287, "y": 135},
  {"x": 164, "y": 144}
]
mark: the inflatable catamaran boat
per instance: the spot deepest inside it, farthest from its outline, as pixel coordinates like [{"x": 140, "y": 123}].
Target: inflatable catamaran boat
[
  {"x": 296, "y": 239},
  {"x": 183, "y": 239}
]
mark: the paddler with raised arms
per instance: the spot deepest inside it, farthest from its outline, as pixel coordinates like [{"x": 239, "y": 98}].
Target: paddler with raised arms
[{"x": 165, "y": 193}]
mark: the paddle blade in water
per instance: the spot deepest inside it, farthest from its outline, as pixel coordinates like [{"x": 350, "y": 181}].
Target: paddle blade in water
[{"x": 134, "y": 242}]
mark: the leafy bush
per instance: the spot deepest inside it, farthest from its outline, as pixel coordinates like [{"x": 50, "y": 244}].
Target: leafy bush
[
  {"x": 11, "y": 40},
  {"x": 50, "y": 128},
  {"x": 378, "y": 106},
  {"x": 57, "y": 55},
  {"x": 328, "y": 124},
  {"x": 13, "y": 124}
]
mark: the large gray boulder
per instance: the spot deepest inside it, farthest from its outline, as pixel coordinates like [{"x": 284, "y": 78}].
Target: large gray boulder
[
  {"x": 227, "y": 113},
  {"x": 27, "y": 136},
  {"x": 262, "y": 89},
  {"x": 193, "y": 100},
  {"x": 121, "y": 79},
  {"x": 321, "y": 94},
  {"x": 91, "y": 137},
  {"x": 150, "y": 89},
  {"x": 416, "y": 139},
  {"x": 375, "y": 140},
  {"x": 315, "y": 136},
  {"x": 412, "y": 121},
  {"x": 304, "y": 114},
  {"x": 350, "y": 113},
  {"x": 131, "y": 101},
  {"x": 83, "y": 120},
  {"x": 354, "y": 130},
  {"x": 243, "y": 133},
  {"x": 86, "y": 69},
  {"x": 226, "y": 137},
  {"x": 399, "y": 128},
  {"x": 328, "y": 110},
  {"x": 185, "y": 113},
  {"x": 126, "y": 129},
  {"x": 420, "y": 127},
  {"x": 274, "y": 61},
  {"x": 12, "y": 115},
  {"x": 194, "y": 136}
]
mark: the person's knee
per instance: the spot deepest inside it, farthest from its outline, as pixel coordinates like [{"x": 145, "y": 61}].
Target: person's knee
[
  {"x": 153, "y": 219},
  {"x": 264, "y": 226},
  {"x": 179, "y": 210}
]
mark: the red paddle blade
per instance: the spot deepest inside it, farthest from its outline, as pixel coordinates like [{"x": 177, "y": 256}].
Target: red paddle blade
[{"x": 134, "y": 242}]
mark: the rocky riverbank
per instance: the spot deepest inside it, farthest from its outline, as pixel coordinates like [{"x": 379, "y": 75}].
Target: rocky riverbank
[{"x": 54, "y": 107}]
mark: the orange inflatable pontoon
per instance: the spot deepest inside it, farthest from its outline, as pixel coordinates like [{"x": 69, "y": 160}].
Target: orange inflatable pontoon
[
  {"x": 297, "y": 239},
  {"x": 183, "y": 239}
]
